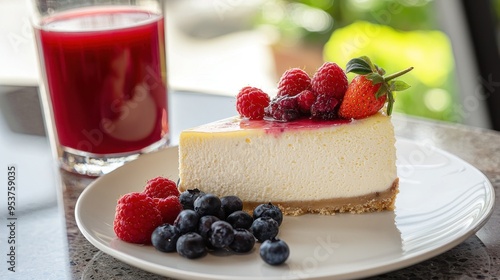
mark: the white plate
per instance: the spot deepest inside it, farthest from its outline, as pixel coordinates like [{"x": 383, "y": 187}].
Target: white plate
[{"x": 442, "y": 201}]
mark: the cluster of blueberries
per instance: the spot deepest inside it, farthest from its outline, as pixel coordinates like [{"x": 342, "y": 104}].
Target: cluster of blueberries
[{"x": 208, "y": 222}]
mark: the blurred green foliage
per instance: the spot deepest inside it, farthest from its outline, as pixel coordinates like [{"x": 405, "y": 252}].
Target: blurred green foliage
[
  {"x": 432, "y": 80},
  {"x": 395, "y": 34}
]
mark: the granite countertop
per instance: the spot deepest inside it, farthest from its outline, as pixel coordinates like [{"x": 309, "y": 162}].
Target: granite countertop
[{"x": 476, "y": 258}]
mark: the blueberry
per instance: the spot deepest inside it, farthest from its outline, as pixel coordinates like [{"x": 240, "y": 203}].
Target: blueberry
[
  {"x": 230, "y": 204},
  {"x": 240, "y": 219},
  {"x": 188, "y": 197},
  {"x": 165, "y": 237},
  {"x": 264, "y": 228},
  {"x": 187, "y": 221},
  {"x": 222, "y": 234},
  {"x": 243, "y": 241},
  {"x": 205, "y": 224},
  {"x": 274, "y": 251},
  {"x": 191, "y": 245},
  {"x": 268, "y": 210},
  {"x": 208, "y": 204},
  {"x": 220, "y": 214}
]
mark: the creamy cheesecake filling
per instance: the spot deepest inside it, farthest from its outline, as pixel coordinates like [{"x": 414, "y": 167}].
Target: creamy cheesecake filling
[{"x": 262, "y": 161}]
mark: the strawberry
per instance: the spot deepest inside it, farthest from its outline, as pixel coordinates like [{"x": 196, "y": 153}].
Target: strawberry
[{"x": 369, "y": 90}]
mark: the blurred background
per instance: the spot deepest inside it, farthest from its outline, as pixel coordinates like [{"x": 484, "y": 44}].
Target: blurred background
[{"x": 219, "y": 46}]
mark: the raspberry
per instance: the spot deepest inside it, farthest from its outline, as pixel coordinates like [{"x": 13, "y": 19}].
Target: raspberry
[
  {"x": 250, "y": 103},
  {"x": 331, "y": 80},
  {"x": 136, "y": 218},
  {"x": 160, "y": 187},
  {"x": 324, "y": 107},
  {"x": 169, "y": 208},
  {"x": 305, "y": 99},
  {"x": 284, "y": 108},
  {"x": 293, "y": 81}
]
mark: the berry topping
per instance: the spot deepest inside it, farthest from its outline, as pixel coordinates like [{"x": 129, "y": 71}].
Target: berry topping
[
  {"x": 250, "y": 103},
  {"x": 164, "y": 238},
  {"x": 169, "y": 208},
  {"x": 264, "y": 228},
  {"x": 191, "y": 245},
  {"x": 370, "y": 89},
  {"x": 293, "y": 82},
  {"x": 324, "y": 96},
  {"x": 274, "y": 251},
  {"x": 161, "y": 187},
  {"x": 324, "y": 107},
  {"x": 243, "y": 241},
  {"x": 284, "y": 108},
  {"x": 305, "y": 100},
  {"x": 188, "y": 197},
  {"x": 136, "y": 218},
  {"x": 330, "y": 80}
]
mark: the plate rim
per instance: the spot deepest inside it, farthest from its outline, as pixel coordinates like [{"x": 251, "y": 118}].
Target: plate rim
[{"x": 392, "y": 265}]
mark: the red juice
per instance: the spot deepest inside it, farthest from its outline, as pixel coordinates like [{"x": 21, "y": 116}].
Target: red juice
[{"x": 105, "y": 73}]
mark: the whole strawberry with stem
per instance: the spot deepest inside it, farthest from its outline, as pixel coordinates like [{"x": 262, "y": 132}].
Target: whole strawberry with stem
[{"x": 370, "y": 89}]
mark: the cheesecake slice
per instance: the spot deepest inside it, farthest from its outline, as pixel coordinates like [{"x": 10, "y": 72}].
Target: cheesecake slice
[{"x": 304, "y": 166}]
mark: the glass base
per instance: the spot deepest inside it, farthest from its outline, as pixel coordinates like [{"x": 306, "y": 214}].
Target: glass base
[{"x": 96, "y": 165}]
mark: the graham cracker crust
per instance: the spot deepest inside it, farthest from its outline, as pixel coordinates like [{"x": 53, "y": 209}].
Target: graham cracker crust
[{"x": 374, "y": 202}]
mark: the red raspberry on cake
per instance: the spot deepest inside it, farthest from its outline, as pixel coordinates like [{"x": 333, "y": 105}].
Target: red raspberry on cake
[
  {"x": 283, "y": 108},
  {"x": 305, "y": 100},
  {"x": 330, "y": 80},
  {"x": 169, "y": 208},
  {"x": 136, "y": 217},
  {"x": 161, "y": 187},
  {"x": 251, "y": 102},
  {"x": 293, "y": 82},
  {"x": 324, "y": 107}
]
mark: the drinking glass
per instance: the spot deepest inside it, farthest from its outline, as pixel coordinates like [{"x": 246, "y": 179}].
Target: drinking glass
[{"x": 104, "y": 84}]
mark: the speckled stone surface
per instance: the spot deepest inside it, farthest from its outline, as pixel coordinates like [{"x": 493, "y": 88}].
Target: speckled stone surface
[{"x": 476, "y": 258}]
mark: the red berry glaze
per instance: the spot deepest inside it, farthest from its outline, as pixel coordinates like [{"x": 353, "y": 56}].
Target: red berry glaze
[
  {"x": 169, "y": 208},
  {"x": 251, "y": 102},
  {"x": 161, "y": 187},
  {"x": 330, "y": 80},
  {"x": 136, "y": 217},
  {"x": 293, "y": 82}
]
